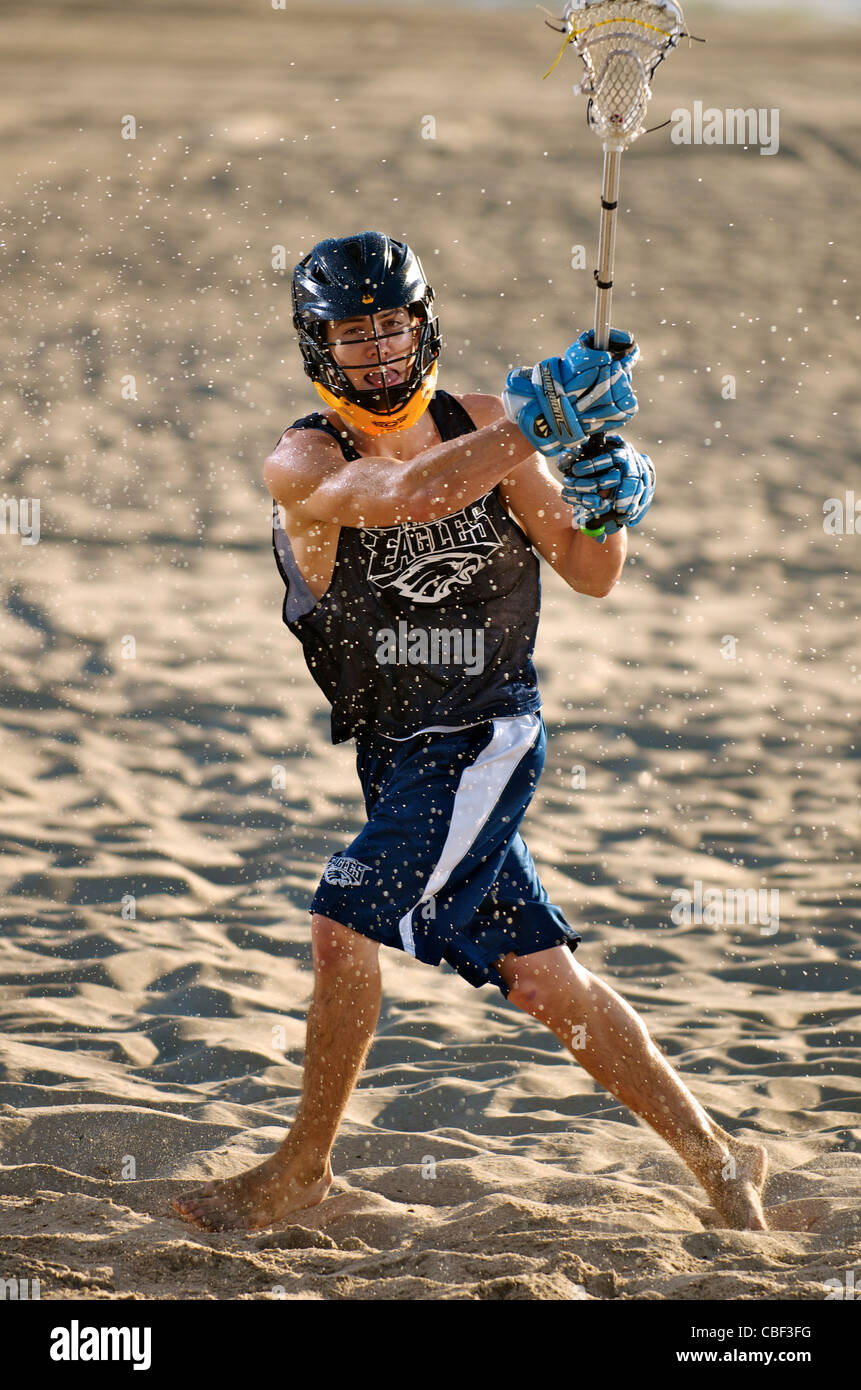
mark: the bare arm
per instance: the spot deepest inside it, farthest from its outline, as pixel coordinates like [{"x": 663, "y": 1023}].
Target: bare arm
[
  {"x": 536, "y": 500},
  {"x": 534, "y": 496},
  {"x": 309, "y": 477}
]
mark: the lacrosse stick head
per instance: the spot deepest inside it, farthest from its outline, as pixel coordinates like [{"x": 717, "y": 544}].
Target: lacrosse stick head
[{"x": 621, "y": 42}]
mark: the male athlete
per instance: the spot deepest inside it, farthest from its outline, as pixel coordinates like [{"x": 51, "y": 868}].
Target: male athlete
[{"x": 406, "y": 522}]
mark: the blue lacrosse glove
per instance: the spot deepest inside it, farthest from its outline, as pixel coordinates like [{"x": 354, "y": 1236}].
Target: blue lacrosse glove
[
  {"x": 610, "y": 399},
  {"x": 562, "y": 400},
  {"x": 622, "y": 470}
]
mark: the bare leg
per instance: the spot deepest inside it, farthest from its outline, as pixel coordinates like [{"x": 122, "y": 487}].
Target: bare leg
[
  {"x": 341, "y": 1021},
  {"x": 606, "y": 1036}
]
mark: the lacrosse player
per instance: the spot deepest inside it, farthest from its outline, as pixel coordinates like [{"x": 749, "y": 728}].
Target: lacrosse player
[{"x": 406, "y": 522}]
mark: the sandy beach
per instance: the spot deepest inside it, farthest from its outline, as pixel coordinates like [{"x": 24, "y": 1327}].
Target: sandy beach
[{"x": 168, "y": 790}]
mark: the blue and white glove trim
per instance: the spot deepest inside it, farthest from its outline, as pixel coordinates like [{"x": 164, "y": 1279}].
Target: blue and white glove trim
[
  {"x": 562, "y": 400},
  {"x": 630, "y": 475},
  {"x": 611, "y": 400},
  {"x": 535, "y": 400}
]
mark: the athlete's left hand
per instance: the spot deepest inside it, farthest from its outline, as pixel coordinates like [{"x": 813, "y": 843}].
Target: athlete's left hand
[
  {"x": 605, "y": 395},
  {"x": 629, "y": 475},
  {"x": 560, "y": 401}
]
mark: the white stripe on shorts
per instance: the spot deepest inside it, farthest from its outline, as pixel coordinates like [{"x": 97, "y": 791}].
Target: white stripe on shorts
[
  {"x": 433, "y": 729},
  {"x": 479, "y": 789}
]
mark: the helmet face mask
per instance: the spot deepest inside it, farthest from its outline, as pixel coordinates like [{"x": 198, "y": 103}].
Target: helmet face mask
[
  {"x": 396, "y": 332},
  {"x": 367, "y": 279}
]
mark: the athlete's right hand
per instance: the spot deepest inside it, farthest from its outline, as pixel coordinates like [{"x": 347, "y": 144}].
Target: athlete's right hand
[
  {"x": 560, "y": 401},
  {"x": 616, "y": 486}
]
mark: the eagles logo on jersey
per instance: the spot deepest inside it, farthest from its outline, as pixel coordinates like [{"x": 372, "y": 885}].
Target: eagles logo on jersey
[{"x": 427, "y": 562}]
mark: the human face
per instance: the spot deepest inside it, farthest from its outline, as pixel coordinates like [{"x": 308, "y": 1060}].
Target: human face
[{"x": 374, "y": 349}]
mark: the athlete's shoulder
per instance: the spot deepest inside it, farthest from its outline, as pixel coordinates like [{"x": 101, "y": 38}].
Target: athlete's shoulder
[
  {"x": 482, "y": 409},
  {"x": 307, "y": 429},
  {"x": 302, "y": 452}
]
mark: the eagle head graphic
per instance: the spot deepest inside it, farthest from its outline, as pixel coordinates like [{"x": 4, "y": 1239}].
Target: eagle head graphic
[{"x": 432, "y": 577}]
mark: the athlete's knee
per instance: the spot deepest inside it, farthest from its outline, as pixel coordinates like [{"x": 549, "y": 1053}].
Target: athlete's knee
[
  {"x": 338, "y": 949},
  {"x": 529, "y": 996},
  {"x": 544, "y": 984},
  {"x": 524, "y": 989}
]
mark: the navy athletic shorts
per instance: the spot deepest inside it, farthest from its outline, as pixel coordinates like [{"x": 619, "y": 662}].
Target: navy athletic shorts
[{"x": 440, "y": 870}]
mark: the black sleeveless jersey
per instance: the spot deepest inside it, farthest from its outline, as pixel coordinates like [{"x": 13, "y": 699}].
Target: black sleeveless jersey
[{"x": 424, "y": 625}]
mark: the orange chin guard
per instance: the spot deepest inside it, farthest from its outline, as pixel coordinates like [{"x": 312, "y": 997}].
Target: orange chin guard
[{"x": 368, "y": 422}]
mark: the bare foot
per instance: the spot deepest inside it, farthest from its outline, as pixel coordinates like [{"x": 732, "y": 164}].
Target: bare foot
[
  {"x": 260, "y": 1197},
  {"x": 735, "y": 1184}
]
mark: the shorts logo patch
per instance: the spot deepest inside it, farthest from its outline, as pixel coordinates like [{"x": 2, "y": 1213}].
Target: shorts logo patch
[
  {"x": 345, "y": 872},
  {"x": 426, "y": 562}
]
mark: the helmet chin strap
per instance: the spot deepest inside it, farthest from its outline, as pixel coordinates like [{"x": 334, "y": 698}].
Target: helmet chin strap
[{"x": 371, "y": 424}]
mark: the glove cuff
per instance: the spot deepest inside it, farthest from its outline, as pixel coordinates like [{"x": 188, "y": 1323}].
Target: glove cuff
[
  {"x": 599, "y": 536},
  {"x": 597, "y": 533}
]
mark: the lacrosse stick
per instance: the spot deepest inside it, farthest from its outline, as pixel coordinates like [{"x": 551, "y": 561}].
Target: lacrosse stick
[{"x": 621, "y": 42}]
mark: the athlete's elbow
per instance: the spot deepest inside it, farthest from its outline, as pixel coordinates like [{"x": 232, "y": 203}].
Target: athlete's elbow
[{"x": 592, "y": 588}]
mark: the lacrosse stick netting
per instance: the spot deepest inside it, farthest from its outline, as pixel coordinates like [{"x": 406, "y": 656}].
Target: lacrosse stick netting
[{"x": 621, "y": 42}]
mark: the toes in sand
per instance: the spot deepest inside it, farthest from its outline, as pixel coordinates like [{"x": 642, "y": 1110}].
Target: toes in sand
[{"x": 252, "y": 1201}]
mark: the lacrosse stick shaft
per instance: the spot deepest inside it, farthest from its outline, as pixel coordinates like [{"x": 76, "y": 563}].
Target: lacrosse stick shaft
[
  {"x": 607, "y": 246},
  {"x": 604, "y": 279}
]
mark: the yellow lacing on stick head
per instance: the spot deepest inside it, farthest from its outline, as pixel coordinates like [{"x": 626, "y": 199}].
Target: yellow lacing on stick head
[
  {"x": 567, "y": 39},
  {"x": 600, "y": 23}
]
